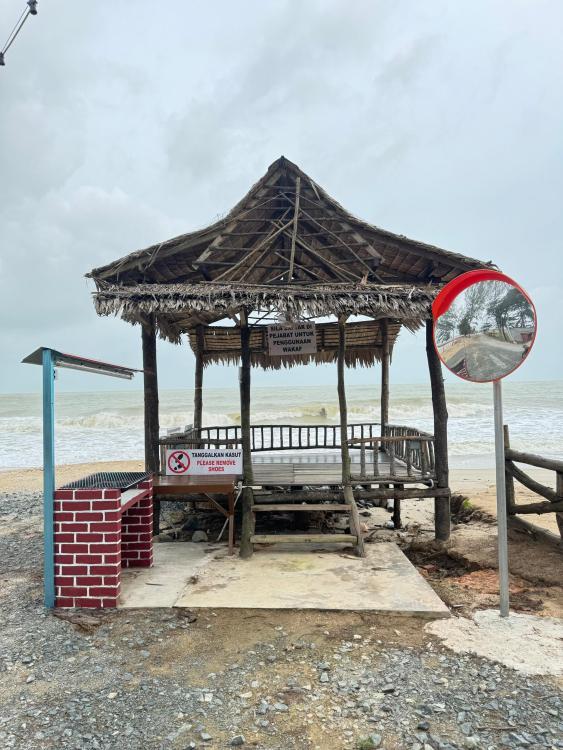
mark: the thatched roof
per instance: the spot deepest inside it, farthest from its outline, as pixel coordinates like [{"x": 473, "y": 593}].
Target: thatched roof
[
  {"x": 221, "y": 345},
  {"x": 178, "y": 307},
  {"x": 286, "y": 243}
]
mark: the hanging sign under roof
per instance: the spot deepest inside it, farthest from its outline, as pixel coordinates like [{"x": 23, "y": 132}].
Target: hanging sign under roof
[{"x": 288, "y": 339}]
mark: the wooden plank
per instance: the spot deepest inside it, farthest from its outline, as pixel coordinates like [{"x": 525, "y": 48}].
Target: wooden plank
[
  {"x": 382, "y": 493},
  {"x": 301, "y": 507},
  {"x": 303, "y": 538}
]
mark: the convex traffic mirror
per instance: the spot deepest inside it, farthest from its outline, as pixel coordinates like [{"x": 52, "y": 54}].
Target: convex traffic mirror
[{"x": 485, "y": 329}]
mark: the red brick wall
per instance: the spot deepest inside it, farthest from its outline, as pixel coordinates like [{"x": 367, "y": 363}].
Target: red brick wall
[
  {"x": 92, "y": 542},
  {"x": 136, "y": 532}
]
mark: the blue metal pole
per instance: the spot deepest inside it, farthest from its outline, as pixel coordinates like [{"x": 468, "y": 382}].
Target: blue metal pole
[{"x": 48, "y": 477}]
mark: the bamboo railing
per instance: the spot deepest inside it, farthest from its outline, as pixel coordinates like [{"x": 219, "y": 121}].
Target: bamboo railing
[{"x": 554, "y": 497}]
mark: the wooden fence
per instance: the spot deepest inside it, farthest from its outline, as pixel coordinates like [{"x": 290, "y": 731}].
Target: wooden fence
[{"x": 554, "y": 497}]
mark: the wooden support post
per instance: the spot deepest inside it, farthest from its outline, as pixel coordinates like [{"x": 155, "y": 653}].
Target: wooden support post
[
  {"x": 384, "y": 324},
  {"x": 355, "y": 527},
  {"x": 198, "y": 379},
  {"x": 508, "y": 478},
  {"x": 341, "y": 364},
  {"x": 150, "y": 382},
  {"x": 397, "y": 507},
  {"x": 440, "y": 409},
  {"x": 246, "y": 546}
]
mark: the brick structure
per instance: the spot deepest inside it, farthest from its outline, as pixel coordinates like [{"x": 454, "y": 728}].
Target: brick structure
[
  {"x": 136, "y": 533},
  {"x": 96, "y": 533}
]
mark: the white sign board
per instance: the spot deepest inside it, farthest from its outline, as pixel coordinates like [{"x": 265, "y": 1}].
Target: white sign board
[
  {"x": 292, "y": 338},
  {"x": 198, "y": 461}
]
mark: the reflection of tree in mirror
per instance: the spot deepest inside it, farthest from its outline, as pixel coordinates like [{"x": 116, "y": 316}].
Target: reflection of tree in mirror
[{"x": 487, "y": 331}]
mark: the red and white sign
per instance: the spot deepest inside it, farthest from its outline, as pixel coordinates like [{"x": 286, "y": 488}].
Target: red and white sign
[
  {"x": 177, "y": 462},
  {"x": 199, "y": 461}
]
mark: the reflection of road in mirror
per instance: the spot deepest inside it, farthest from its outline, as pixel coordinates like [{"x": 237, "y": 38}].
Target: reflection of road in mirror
[
  {"x": 487, "y": 331},
  {"x": 481, "y": 356}
]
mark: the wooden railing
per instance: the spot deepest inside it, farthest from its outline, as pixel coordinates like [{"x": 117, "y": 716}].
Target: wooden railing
[
  {"x": 267, "y": 437},
  {"x": 413, "y": 447},
  {"x": 554, "y": 497}
]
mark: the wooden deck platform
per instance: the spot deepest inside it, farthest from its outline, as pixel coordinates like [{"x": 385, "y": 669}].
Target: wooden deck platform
[{"x": 324, "y": 468}]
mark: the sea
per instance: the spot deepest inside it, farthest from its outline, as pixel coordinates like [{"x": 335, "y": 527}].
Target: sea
[{"x": 108, "y": 425}]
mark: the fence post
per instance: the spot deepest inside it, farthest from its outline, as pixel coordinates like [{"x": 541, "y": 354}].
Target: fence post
[
  {"x": 509, "y": 479},
  {"x": 559, "y": 493}
]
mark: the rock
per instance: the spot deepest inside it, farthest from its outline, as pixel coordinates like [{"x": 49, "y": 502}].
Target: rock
[
  {"x": 471, "y": 742},
  {"x": 376, "y": 740},
  {"x": 237, "y": 740},
  {"x": 425, "y": 725},
  {"x": 205, "y": 736},
  {"x": 388, "y": 689},
  {"x": 324, "y": 677},
  {"x": 199, "y": 536},
  {"x": 281, "y": 707},
  {"x": 31, "y": 678}
]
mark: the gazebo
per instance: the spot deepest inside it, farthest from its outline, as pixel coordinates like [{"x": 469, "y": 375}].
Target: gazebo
[{"x": 289, "y": 258}]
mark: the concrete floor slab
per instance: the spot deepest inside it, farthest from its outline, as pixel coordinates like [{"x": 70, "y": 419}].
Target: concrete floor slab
[
  {"x": 160, "y": 586},
  {"x": 186, "y": 575}
]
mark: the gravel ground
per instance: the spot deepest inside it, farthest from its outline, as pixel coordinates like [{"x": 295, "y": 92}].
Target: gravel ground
[{"x": 276, "y": 680}]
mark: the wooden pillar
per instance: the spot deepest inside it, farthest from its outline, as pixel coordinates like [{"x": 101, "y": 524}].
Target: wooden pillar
[
  {"x": 348, "y": 493},
  {"x": 341, "y": 364},
  {"x": 397, "y": 508},
  {"x": 441, "y": 504},
  {"x": 246, "y": 546},
  {"x": 198, "y": 379},
  {"x": 150, "y": 382},
  {"x": 384, "y": 324}
]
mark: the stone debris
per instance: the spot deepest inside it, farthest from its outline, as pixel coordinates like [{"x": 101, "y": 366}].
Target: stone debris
[{"x": 156, "y": 679}]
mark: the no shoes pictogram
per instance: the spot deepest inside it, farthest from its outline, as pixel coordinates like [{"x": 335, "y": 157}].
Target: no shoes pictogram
[{"x": 178, "y": 462}]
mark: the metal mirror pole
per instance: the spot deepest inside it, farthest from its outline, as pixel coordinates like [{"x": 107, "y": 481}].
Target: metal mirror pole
[{"x": 502, "y": 536}]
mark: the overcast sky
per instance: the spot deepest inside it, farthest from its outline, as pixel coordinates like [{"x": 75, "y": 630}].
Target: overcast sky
[{"x": 124, "y": 123}]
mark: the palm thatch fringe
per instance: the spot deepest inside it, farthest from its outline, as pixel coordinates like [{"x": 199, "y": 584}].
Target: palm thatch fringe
[
  {"x": 364, "y": 345},
  {"x": 171, "y": 303}
]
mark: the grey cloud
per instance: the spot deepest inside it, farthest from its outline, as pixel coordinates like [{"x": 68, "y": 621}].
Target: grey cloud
[{"x": 122, "y": 124}]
